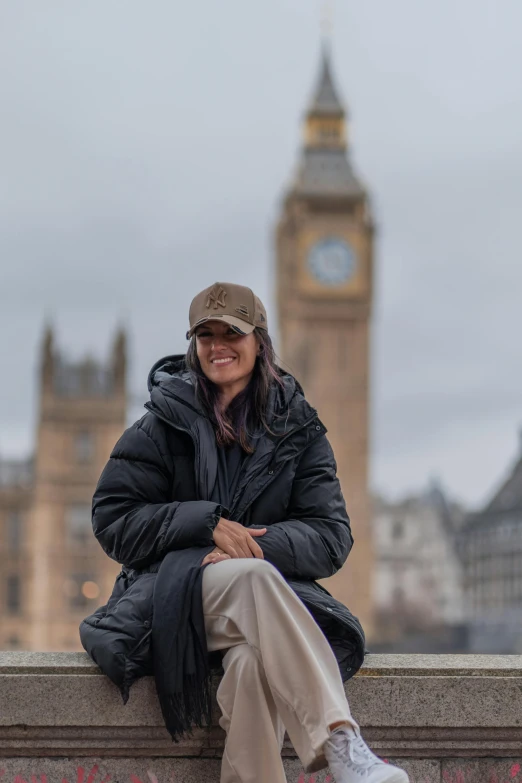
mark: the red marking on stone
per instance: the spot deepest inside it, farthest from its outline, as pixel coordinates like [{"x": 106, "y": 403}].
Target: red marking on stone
[
  {"x": 515, "y": 769},
  {"x": 2, "y": 773},
  {"x": 19, "y": 779},
  {"x": 134, "y": 779},
  {"x": 459, "y": 777},
  {"x": 493, "y": 778},
  {"x": 43, "y": 779},
  {"x": 329, "y": 779},
  {"x": 106, "y": 779},
  {"x": 80, "y": 773},
  {"x": 92, "y": 774}
]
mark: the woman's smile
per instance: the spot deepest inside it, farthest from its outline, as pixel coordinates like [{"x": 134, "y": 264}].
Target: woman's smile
[{"x": 223, "y": 360}]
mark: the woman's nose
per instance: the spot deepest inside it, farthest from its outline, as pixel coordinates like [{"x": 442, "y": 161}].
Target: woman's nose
[{"x": 217, "y": 342}]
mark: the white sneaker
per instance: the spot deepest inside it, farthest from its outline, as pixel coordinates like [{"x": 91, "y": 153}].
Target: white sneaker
[{"x": 351, "y": 760}]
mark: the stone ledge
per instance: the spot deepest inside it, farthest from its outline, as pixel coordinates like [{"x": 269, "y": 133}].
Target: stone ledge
[
  {"x": 374, "y": 665},
  {"x": 431, "y": 712}
]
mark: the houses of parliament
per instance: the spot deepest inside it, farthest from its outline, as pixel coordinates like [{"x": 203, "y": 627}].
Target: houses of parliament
[{"x": 52, "y": 570}]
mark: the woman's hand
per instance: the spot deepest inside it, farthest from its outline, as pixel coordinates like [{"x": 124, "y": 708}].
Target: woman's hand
[
  {"x": 238, "y": 541},
  {"x": 216, "y": 556}
]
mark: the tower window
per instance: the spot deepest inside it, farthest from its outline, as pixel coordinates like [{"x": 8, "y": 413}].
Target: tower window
[
  {"x": 13, "y": 594},
  {"x": 84, "y": 447},
  {"x": 78, "y": 524},
  {"x": 14, "y": 531}
]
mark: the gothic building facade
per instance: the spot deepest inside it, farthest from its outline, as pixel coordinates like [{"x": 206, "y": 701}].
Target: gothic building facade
[
  {"x": 324, "y": 270},
  {"x": 53, "y": 570},
  {"x": 491, "y": 551}
]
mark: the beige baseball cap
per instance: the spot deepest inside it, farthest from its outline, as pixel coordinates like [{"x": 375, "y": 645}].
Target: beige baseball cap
[{"x": 234, "y": 304}]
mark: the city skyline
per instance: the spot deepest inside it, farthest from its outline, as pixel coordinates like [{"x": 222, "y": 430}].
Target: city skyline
[{"x": 134, "y": 179}]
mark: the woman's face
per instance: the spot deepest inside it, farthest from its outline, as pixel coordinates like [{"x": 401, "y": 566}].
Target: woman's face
[{"x": 226, "y": 357}]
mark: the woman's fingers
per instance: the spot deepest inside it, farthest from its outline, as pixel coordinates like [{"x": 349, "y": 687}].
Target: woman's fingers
[
  {"x": 255, "y": 549},
  {"x": 238, "y": 541},
  {"x": 230, "y": 549},
  {"x": 243, "y": 545},
  {"x": 215, "y": 557}
]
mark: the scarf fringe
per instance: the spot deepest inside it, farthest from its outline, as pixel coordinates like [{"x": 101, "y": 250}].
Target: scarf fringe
[{"x": 188, "y": 709}]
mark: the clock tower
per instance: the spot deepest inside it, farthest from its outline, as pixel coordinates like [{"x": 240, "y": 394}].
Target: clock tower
[{"x": 324, "y": 294}]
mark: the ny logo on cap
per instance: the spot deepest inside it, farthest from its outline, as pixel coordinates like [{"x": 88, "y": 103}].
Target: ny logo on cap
[{"x": 216, "y": 297}]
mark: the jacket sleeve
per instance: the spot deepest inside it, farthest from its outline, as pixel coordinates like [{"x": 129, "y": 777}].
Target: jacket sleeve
[
  {"x": 315, "y": 540},
  {"x": 134, "y": 518}
]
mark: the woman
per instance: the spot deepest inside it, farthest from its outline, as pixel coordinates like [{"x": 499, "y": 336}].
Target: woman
[{"x": 223, "y": 505}]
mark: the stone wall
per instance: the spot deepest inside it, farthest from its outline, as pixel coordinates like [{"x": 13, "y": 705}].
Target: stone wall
[{"x": 446, "y": 719}]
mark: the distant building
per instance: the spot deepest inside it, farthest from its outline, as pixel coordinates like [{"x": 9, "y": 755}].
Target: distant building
[
  {"x": 418, "y": 577},
  {"x": 52, "y": 569},
  {"x": 491, "y": 551}
]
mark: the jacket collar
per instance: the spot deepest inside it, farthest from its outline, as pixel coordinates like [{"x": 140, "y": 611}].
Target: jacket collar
[
  {"x": 172, "y": 392},
  {"x": 292, "y": 420}
]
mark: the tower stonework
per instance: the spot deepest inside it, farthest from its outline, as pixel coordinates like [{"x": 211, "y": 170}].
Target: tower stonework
[
  {"x": 82, "y": 415},
  {"x": 324, "y": 259}
]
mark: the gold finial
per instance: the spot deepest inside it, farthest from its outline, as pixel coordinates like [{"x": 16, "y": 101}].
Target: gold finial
[{"x": 327, "y": 15}]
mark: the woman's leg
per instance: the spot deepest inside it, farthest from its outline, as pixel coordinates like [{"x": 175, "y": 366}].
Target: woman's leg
[
  {"x": 248, "y": 600},
  {"x": 254, "y": 729}
]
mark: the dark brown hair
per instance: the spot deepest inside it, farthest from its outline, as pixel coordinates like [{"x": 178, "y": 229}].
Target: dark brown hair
[{"x": 247, "y": 412}]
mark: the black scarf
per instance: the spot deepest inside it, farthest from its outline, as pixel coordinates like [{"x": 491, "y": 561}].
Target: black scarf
[{"x": 179, "y": 643}]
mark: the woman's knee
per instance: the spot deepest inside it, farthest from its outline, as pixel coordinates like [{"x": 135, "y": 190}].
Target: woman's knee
[{"x": 252, "y": 569}]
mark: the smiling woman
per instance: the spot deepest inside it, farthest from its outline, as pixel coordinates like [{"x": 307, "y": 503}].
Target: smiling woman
[
  {"x": 224, "y": 507},
  {"x": 227, "y": 358}
]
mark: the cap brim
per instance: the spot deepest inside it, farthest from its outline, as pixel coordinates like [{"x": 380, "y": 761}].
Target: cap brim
[{"x": 242, "y": 327}]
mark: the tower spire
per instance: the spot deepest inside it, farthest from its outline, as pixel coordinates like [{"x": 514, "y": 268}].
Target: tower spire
[
  {"x": 47, "y": 355},
  {"x": 326, "y": 100},
  {"x": 325, "y": 167},
  {"x": 326, "y": 20}
]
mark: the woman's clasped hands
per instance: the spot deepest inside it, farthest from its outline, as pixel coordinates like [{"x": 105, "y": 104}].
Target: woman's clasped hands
[{"x": 234, "y": 541}]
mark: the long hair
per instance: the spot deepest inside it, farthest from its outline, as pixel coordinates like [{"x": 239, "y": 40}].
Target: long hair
[{"x": 248, "y": 410}]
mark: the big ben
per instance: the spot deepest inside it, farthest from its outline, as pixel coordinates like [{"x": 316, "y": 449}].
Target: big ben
[{"x": 324, "y": 257}]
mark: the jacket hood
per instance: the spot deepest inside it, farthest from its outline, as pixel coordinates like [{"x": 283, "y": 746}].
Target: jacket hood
[{"x": 171, "y": 387}]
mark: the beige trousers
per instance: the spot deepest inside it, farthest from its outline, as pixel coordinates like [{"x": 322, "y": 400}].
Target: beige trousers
[{"x": 280, "y": 671}]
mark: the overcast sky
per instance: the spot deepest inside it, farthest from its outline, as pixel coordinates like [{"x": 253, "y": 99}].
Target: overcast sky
[{"x": 144, "y": 150}]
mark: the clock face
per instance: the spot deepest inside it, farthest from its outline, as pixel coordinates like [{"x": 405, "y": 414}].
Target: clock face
[{"x": 332, "y": 261}]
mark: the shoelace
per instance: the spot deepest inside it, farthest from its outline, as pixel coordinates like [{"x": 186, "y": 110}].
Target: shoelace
[{"x": 353, "y": 748}]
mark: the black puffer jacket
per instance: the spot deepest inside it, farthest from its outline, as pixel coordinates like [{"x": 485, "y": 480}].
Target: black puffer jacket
[{"x": 150, "y": 500}]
